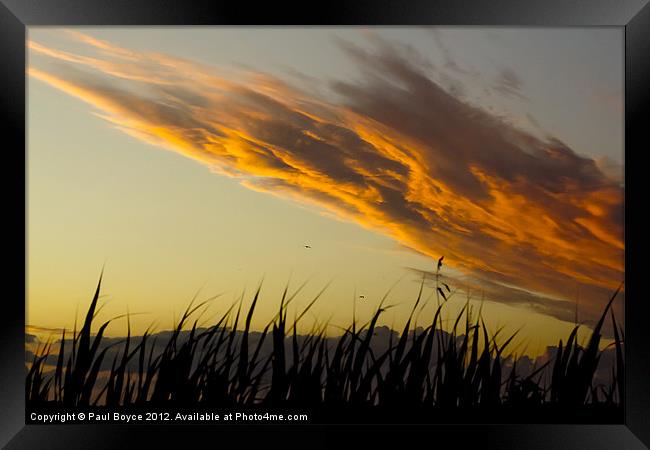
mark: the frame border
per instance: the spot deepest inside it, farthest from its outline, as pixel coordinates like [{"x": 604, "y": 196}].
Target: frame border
[{"x": 633, "y": 15}]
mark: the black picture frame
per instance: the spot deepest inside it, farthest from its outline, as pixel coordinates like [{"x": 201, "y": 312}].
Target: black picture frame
[{"x": 633, "y": 15}]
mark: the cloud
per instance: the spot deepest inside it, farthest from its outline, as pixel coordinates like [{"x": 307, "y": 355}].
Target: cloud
[
  {"x": 511, "y": 295},
  {"x": 396, "y": 152},
  {"x": 41, "y": 330},
  {"x": 509, "y": 83},
  {"x": 611, "y": 169},
  {"x": 450, "y": 62}
]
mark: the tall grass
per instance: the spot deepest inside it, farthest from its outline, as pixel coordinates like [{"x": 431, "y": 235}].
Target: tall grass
[{"x": 222, "y": 366}]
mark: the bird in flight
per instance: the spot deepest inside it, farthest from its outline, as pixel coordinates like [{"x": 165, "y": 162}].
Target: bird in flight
[
  {"x": 440, "y": 262},
  {"x": 307, "y": 246},
  {"x": 362, "y": 296}
]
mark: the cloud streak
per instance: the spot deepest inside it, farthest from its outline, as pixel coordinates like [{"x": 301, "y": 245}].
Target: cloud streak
[
  {"x": 509, "y": 83},
  {"x": 395, "y": 152}
]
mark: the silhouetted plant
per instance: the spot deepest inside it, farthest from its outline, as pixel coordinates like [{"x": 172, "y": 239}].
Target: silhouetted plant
[{"x": 220, "y": 366}]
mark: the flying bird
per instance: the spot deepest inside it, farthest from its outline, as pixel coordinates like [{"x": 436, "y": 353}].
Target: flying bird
[
  {"x": 440, "y": 262},
  {"x": 307, "y": 246},
  {"x": 362, "y": 296}
]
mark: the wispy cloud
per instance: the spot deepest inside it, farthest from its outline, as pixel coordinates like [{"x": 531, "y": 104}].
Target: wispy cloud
[
  {"x": 509, "y": 83},
  {"x": 396, "y": 153}
]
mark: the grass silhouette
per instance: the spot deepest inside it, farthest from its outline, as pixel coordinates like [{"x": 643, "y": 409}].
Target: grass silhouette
[{"x": 423, "y": 374}]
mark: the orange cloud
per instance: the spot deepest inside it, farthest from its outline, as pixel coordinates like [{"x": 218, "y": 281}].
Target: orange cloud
[{"x": 398, "y": 153}]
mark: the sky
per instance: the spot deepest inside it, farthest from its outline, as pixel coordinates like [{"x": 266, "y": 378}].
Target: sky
[{"x": 203, "y": 160}]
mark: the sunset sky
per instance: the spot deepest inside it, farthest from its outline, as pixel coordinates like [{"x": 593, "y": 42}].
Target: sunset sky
[{"x": 207, "y": 158}]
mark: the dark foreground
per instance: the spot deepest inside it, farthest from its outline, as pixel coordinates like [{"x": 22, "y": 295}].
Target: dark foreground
[{"x": 423, "y": 375}]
